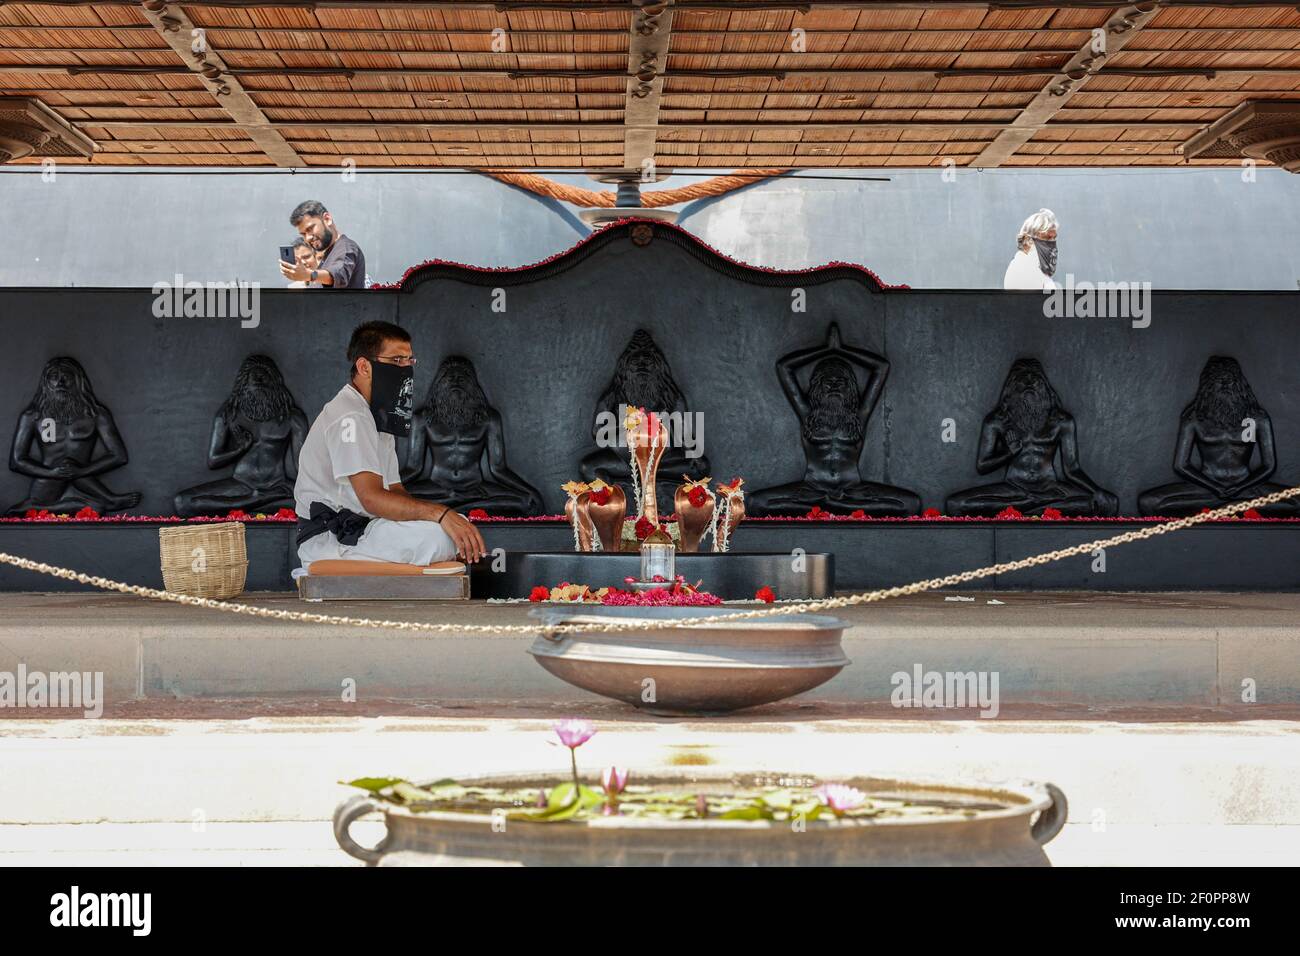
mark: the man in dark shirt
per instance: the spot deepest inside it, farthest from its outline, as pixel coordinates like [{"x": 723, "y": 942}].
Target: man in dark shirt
[{"x": 342, "y": 263}]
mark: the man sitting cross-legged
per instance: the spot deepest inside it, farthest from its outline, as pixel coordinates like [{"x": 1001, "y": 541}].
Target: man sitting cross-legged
[{"x": 348, "y": 496}]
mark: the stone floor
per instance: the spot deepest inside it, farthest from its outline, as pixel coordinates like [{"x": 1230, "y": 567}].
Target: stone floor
[
  {"x": 219, "y": 779},
  {"x": 260, "y": 790}
]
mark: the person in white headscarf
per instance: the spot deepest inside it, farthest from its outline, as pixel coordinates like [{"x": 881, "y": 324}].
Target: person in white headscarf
[{"x": 1034, "y": 263}]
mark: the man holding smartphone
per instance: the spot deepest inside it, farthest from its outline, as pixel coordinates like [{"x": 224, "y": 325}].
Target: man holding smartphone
[{"x": 342, "y": 263}]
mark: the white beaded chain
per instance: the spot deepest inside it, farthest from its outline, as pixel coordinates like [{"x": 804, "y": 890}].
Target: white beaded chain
[{"x": 610, "y": 627}]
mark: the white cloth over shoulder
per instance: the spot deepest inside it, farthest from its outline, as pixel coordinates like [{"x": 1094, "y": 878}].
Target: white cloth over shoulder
[
  {"x": 343, "y": 441},
  {"x": 1024, "y": 273}
]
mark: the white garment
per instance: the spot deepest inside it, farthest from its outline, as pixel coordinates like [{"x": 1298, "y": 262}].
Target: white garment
[
  {"x": 406, "y": 542},
  {"x": 1025, "y": 273},
  {"x": 344, "y": 441}
]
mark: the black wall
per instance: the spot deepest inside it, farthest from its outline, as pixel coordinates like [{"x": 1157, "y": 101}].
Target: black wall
[{"x": 545, "y": 361}]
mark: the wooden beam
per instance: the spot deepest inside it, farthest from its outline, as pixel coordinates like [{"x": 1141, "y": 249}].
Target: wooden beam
[
  {"x": 179, "y": 32},
  {"x": 1056, "y": 94},
  {"x": 647, "y": 55},
  {"x": 55, "y": 29},
  {"x": 777, "y": 73},
  {"x": 585, "y": 6},
  {"x": 611, "y": 127}
]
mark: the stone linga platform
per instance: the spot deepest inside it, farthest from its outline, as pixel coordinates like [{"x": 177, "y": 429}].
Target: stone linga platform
[
  {"x": 731, "y": 577},
  {"x": 1224, "y": 556}
]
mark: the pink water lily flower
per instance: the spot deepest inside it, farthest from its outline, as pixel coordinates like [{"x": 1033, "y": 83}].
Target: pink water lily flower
[
  {"x": 839, "y": 797},
  {"x": 574, "y": 733},
  {"x": 613, "y": 780}
]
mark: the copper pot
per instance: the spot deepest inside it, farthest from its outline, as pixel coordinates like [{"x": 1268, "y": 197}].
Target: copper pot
[
  {"x": 607, "y": 519},
  {"x": 735, "y": 516},
  {"x": 584, "y": 529},
  {"x": 647, "y": 459},
  {"x": 692, "y": 520}
]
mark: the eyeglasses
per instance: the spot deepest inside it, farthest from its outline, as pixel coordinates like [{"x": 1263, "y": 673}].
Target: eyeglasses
[{"x": 403, "y": 360}]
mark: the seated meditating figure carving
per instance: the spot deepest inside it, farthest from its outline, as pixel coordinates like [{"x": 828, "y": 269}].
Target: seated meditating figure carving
[
  {"x": 457, "y": 450},
  {"x": 642, "y": 379},
  {"x": 55, "y": 445},
  {"x": 260, "y": 430},
  {"x": 1025, "y": 434},
  {"x": 833, "y": 412},
  {"x": 1218, "y": 436}
]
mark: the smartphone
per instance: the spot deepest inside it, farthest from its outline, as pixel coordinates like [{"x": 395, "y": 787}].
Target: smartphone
[{"x": 286, "y": 255}]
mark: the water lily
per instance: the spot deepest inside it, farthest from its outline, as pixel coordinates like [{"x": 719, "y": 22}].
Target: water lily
[
  {"x": 840, "y": 797},
  {"x": 613, "y": 780},
  {"x": 573, "y": 734}
]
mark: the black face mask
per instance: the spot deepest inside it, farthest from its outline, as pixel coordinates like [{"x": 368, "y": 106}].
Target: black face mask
[
  {"x": 1046, "y": 255},
  {"x": 392, "y": 397}
]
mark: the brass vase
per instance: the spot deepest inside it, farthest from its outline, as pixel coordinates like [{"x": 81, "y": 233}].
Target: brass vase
[
  {"x": 584, "y": 527},
  {"x": 648, "y": 438},
  {"x": 692, "y": 520},
  {"x": 733, "y": 513},
  {"x": 607, "y": 519},
  {"x": 576, "y": 510}
]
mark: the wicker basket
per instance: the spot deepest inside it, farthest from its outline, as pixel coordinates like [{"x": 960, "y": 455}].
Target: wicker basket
[{"x": 206, "y": 560}]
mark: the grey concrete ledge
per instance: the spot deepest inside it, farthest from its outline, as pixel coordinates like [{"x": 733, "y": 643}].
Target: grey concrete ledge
[{"x": 1201, "y": 649}]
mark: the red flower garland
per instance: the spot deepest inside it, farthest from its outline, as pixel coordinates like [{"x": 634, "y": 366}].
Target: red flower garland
[
  {"x": 86, "y": 515},
  {"x": 765, "y": 594},
  {"x": 697, "y": 496},
  {"x": 601, "y": 496}
]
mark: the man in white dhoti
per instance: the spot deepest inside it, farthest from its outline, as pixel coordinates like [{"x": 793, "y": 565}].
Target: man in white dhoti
[{"x": 348, "y": 496}]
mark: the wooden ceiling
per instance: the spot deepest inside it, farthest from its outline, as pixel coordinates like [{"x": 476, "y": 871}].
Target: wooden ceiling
[{"x": 391, "y": 84}]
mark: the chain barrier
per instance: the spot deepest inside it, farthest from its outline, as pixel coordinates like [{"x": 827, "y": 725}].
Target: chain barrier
[{"x": 611, "y": 627}]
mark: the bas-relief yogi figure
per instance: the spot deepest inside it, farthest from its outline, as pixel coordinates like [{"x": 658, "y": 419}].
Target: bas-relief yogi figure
[
  {"x": 1218, "y": 437},
  {"x": 642, "y": 379},
  {"x": 259, "y": 429},
  {"x": 833, "y": 412},
  {"x": 457, "y": 451},
  {"x": 1026, "y": 434},
  {"x": 55, "y": 444}
]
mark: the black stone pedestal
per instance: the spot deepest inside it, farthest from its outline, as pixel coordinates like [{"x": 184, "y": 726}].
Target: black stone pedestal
[{"x": 732, "y": 576}]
